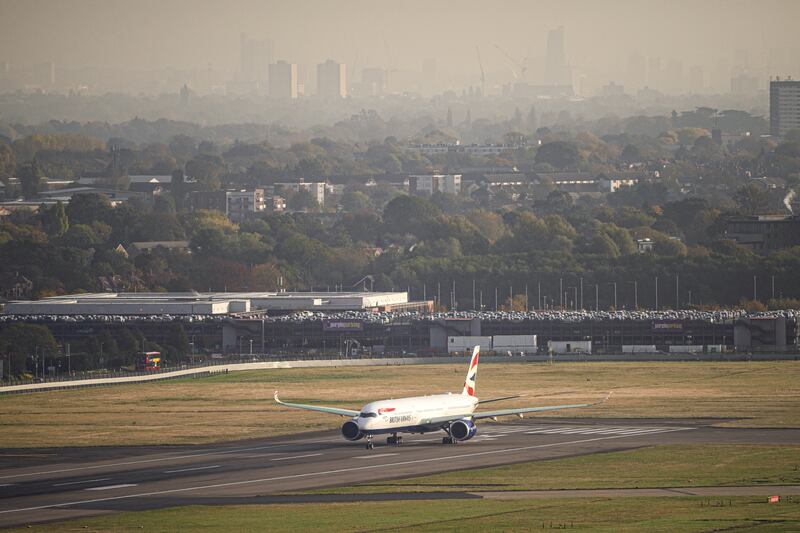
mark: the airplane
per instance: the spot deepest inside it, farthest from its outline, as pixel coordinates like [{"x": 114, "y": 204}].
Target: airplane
[{"x": 452, "y": 413}]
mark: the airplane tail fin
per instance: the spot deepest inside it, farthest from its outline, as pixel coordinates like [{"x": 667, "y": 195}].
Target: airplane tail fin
[{"x": 472, "y": 373}]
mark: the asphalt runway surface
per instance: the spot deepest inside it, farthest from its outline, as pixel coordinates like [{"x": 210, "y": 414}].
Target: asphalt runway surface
[{"x": 41, "y": 485}]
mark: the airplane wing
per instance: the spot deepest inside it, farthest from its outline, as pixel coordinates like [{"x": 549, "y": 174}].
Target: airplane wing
[
  {"x": 507, "y": 412},
  {"x": 500, "y": 399},
  {"x": 321, "y": 409}
]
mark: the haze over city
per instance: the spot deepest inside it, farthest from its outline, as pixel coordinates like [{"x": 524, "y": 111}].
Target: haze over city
[{"x": 426, "y": 47}]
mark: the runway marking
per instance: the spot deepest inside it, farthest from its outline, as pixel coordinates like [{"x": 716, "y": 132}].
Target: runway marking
[
  {"x": 629, "y": 431},
  {"x": 374, "y": 456},
  {"x": 295, "y": 457},
  {"x": 312, "y": 474},
  {"x": 81, "y": 482},
  {"x": 191, "y": 469},
  {"x": 170, "y": 458},
  {"x": 112, "y": 487},
  {"x": 7, "y": 485}
]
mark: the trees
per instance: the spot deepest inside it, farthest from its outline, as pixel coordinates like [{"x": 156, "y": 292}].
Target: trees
[
  {"x": 559, "y": 154},
  {"x": 409, "y": 214},
  {"x": 54, "y": 219},
  {"x": 752, "y": 198},
  {"x": 30, "y": 176},
  {"x": 86, "y": 208},
  {"x": 206, "y": 169},
  {"x": 302, "y": 200},
  {"x": 8, "y": 162},
  {"x": 20, "y": 341},
  {"x": 355, "y": 201},
  {"x": 177, "y": 341}
]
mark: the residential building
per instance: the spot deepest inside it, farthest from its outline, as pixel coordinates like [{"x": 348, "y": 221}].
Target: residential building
[
  {"x": 644, "y": 245},
  {"x": 239, "y": 205},
  {"x": 275, "y": 203},
  {"x": 428, "y": 184},
  {"x": 256, "y": 55},
  {"x": 283, "y": 80},
  {"x": 613, "y": 183},
  {"x": 208, "y": 200},
  {"x": 317, "y": 189},
  {"x": 557, "y": 72},
  {"x": 784, "y": 106},
  {"x": 331, "y": 79}
]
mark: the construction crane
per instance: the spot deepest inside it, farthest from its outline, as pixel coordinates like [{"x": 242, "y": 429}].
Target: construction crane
[
  {"x": 521, "y": 66},
  {"x": 483, "y": 75}
]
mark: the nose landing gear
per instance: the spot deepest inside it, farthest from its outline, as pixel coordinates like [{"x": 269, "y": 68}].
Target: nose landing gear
[{"x": 370, "y": 444}]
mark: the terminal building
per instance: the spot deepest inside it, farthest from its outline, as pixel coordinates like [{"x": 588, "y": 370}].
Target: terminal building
[
  {"x": 296, "y": 323},
  {"x": 213, "y": 304}
]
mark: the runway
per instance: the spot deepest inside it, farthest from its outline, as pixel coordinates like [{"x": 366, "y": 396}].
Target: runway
[{"x": 53, "y": 484}]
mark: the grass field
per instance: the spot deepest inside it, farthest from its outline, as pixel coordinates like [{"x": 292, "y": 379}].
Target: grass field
[
  {"x": 239, "y": 405},
  {"x": 743, "y": 514},
  {"x": 658, "y": 466}
]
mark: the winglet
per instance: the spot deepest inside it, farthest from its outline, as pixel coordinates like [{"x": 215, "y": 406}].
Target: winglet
[
  {"x": 604, "y": 400},
  {"x": 276, "y": 397}
]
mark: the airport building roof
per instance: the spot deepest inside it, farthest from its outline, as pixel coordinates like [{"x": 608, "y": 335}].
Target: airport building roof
[{"x": 211, "y": 303}]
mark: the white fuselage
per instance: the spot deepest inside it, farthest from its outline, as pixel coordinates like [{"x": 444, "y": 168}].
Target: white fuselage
[{"x": 415, "y": 413}]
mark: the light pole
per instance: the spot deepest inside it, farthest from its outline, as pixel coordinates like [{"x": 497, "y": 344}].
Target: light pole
[
  {"x": 596, "y": 297},
  {"x": 635, "y": 294},
  {"x": 614, "y": 283},
  {"x": 473, "y": 294},
  {"x": 656, "y": 293},
  {"x": 539, "y": 299}
]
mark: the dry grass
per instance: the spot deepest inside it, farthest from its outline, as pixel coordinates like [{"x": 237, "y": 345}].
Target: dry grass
[
  {"x": 612, "y": 515},
  {"x": 239, "y": 405}
]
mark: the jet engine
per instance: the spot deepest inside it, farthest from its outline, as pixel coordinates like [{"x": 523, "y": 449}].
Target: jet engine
[
  {"x": 463, "y": 429},
  {"x": 350, "y": 431}
]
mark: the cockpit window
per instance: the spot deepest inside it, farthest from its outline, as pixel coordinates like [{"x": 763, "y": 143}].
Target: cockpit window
[{"x": 368, "y": 415}]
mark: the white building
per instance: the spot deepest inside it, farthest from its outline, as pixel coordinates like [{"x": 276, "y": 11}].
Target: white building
[
  {"x": 238, "y": 204},
  {"x": 428, "y": 184},
  {"x": 331, "y": 79},
  {"x": 613, "y": 184},
  {"x": 283, "y": 80}
]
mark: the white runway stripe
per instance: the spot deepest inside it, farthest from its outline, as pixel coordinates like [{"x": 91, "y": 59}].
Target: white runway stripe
[
  {"x": 191, "y": 469},
  {"x": 81, "y": 482},
  {"x": 110, "y": 487},
  {"x": 295, "y": 457},
  {"x": 614, "y": 430}
]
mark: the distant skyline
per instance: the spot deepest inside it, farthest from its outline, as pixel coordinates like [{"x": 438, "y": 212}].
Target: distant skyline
[{"x": 696, "y": 45}]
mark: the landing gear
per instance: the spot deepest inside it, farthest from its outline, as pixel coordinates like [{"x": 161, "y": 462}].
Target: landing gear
[
  {"x": 370, "y": 444},
  {"x": 449, "y": 438},
  {"x": 394, "y": 440}
]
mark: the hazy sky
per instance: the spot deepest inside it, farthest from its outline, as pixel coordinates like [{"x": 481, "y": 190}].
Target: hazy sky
[{"x": 399, "y": 34}]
